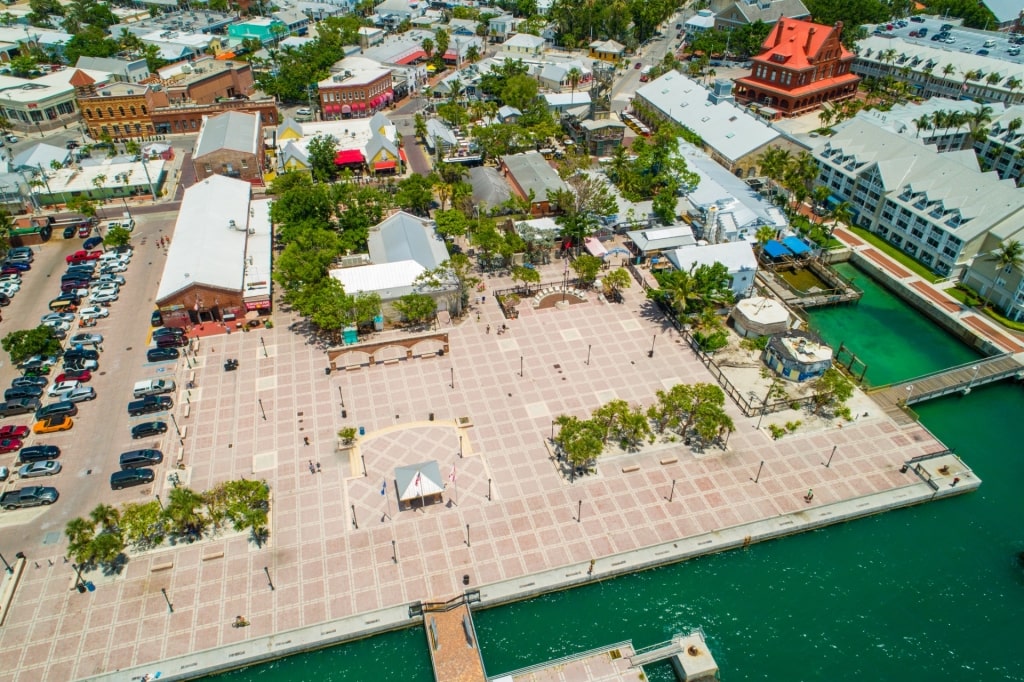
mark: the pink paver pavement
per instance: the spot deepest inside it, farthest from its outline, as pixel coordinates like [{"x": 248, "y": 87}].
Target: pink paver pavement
[{"x": 330, "y": 553}]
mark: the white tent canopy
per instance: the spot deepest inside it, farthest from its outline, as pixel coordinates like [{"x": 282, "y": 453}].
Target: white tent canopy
[{"x": 418, "y": 480}]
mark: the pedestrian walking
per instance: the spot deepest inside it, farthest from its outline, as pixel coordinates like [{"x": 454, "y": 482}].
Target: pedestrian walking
[
  {"x": 488, "y": 329},
  {"x": 809, "y": 496},
  {"x": 305, "y": 439},
  {"x": 312, "y": 469}
]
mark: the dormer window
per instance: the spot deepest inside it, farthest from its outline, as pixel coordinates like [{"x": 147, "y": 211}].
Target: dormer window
[{"x": 780, "y": 58}]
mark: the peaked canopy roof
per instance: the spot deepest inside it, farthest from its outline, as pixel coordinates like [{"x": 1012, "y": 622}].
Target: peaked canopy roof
[{"x": 418, "y": 480}]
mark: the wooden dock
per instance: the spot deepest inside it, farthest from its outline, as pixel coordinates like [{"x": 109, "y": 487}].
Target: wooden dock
[
  {"x": 451, "y": 638},
  {"x": 893, "y": 398}
]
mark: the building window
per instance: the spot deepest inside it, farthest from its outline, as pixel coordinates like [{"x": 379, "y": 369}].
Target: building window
[
  {"x": 120, "y": 110},
  {"x": 208, "y": 168}
]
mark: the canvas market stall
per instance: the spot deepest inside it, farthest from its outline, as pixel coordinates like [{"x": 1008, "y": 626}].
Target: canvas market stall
[{"x": 420, "y": 483}]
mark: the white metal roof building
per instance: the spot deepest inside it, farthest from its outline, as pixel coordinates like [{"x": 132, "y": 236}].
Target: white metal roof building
[
  {"x": 659, "y": 240},
  {"x": 234, "y": 130},
  {"x": 207, "y": 272},
  {"x": 737, "y": 257},
  {"x": 390, "y": 281},
  {"x": 729, "y": 132},
  {"x": 937, "y": 207}
]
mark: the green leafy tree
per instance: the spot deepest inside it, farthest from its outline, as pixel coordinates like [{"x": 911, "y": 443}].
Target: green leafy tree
[
  {"x": 117, "y": 237},
  {"x": 304, "y": 264},
  {"x": 586, "y": 268},
  {"x": 416, "y": 308},
  {"x": 582, "y": 204},
  {"x": 458, "y": 269},
  {"x": 357, "y": 208},
  {"x": 617, "y": 280},
  {"x": 451, "y": 223},
  {"x": 25, "y": 343},
  {"x": 415, "y": 194},
  {"x": 519, "y": 91},
  {"x": 581, "y": 441},
  {"x": 244, "y": 504},
  {"x": 23, "y": 65},
  {"x": 322, "y": 151},
  {"x": 831, "y": 391},
  {"x": 142, "y": 525},
  {"x": 82, "y": 204},
  {"x": 91, "y": 41},
  {"x": 453, "y": 114},
  {"x": 524, "y": 276},
  {"x": 80, "y": 533}
]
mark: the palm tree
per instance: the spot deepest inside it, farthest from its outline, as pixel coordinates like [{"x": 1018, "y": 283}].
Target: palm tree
[
  {"x": 106, "y": 516},
  {"x": 826, "y": 116},
  {"x": 773, "y": 162},
  {"x": 840, "y": 213},
  {"x": 574, "y": 76},
  {"x": 764, "y": 234},
  {"x": 977, "y": 123},
  {"x": 948, "y": 70},
  {"x": 1008, "y": 257},
  {"x": 923, "y": 122},
  {"x": 1012, "y": 84},
  {"x": 428, "y": 46}
]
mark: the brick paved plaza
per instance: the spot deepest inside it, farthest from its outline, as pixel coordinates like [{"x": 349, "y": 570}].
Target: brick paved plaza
[{"x": 324, "y": 568}]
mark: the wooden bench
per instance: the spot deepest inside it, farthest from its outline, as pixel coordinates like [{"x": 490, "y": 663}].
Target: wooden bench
[
  {"x": 631, "y": 468},
  {"x": 187, "y": 411},
  {"x": 670, "y": 460},
  {"x": 162, "y": 566}
]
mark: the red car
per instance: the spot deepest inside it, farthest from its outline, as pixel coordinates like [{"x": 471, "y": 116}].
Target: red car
[
  {"x": 79, "y": 256},
  {"x": 10, "y": 445},
  {"x": 11, "y": 431},
  {"x": 84, "y": 230},
  {"x": 79, "y": 375}
]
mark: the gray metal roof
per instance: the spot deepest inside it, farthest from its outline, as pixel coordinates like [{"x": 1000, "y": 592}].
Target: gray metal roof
[
  {"x": 532, "y": 172},
  {"x": 1004, "y": 10},
  {"x": 403, "y": 236},
  {"x": 232, "y": 130},
  {"x": 489, "y": 188}
]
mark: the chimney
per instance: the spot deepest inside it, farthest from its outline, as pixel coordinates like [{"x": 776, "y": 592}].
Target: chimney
[
  {"x": 778, "y": 35},
  {"x": 810, "y": 37}
]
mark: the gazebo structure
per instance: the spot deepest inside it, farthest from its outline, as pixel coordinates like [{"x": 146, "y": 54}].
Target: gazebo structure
[
  {"x": 759, "y": 316},
  {"x": 421, "y": 482}
]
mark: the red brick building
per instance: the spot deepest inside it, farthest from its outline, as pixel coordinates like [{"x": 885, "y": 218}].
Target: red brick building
[{"x": 803, "y": 65}]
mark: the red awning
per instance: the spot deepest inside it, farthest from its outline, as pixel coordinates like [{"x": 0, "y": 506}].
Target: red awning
[
  {"x": 348, "y": 156},
  {"x": 409, "y": 59},
  {"x": 375, "y": 101},
  {"x": 401, "y": 152},
  {"x": 388, "y": 96},
  {"x": 384, "y": 165},
  {"x": 346, "y": 109},
  {"x": 451, "y": 55},
  {"x": 359, "y": 106}
]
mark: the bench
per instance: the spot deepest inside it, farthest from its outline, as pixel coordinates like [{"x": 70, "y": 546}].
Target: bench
[
  {"x": 162, "y": 566},
  {"x": 187, "y": 411},
  {"x": 631, "y": 468},
  {"x": 670, "y": 460},
  {"x": 181, "y": 454}
]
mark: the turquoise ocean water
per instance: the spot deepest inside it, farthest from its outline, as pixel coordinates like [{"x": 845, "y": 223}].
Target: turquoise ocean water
[{"x": 928, "y": 593}]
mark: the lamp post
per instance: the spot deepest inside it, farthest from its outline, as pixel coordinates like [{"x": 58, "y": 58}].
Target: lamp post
[
  {"x": 270, "y": 582},
  {"x": 259, "y": 401},
  {"x": 79, "y": 582},
  {"x": 170, "y": 606},
  {"x": 7, "y": 566},
  {"x": 264, "y": 344},
  {"x": 910, "y": 392},
  {"x": 175, "y": 422},
  {"x": 650, "y": 353},
  {"x": 973, "y": 377}
]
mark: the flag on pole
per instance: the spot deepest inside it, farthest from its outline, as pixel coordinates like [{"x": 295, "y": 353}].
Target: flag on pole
[
  {"x": 417, "y": 481},
  {"x": 384, "y": 487},
  {"x": 451, "y": 476}
]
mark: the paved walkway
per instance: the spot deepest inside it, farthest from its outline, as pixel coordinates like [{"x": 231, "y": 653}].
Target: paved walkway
[{"x": 507, "y": 518}]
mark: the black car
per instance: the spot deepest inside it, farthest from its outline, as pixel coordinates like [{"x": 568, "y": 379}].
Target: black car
[
  {"x": 74, "y": 299},
  {"x": 137, "y": 459},
  {"x": 83, "y": 353},
  {"x": 171, "y": 341},
  {"x": 58, "y": 409},
  {"x": 168, "y": 331},
  {"x": 19, "y": 392},
  {"x": 156, "y": 319},
  {"x": 5, "y": 300},
  {"x": 147, "y": 429},
  {"x": 130, "y": 477},
  {"x": 30, "y": 381},
  {"x": 38, "y": 453},
  {"x": 162, "y": 354},
  {"x": 69, "y": 232},
  {"x": 92, "y": 243}
]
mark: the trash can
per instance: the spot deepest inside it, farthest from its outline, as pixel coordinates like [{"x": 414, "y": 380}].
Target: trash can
[
  {"x": 327, "y": 370},
  {"x": 362, "y": 431}
]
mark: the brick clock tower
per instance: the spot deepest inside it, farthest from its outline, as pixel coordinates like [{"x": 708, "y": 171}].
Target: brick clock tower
[{"x": 802, "y": 66}]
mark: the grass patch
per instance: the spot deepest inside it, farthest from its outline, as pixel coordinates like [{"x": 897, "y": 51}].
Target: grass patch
[
  {"x": 1009, "y": 324},
  {"x": 890, "y": 250},
  {"x": 969, "y": 297}
]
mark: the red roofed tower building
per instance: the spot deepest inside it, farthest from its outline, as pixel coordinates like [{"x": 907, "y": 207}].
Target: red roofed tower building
[{"x": 803, "y": 65}]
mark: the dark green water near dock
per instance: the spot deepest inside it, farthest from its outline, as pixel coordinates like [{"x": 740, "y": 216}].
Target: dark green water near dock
[{"x": 928, "y": 593}]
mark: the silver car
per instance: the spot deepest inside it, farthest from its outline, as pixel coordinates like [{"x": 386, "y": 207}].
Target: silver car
[
  {"x": 77, "y": 394},
  {"x": 35, "y": 469}
]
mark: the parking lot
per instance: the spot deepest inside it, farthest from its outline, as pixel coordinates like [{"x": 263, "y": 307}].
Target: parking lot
[
  {"x": 90, "y": 449},
  {"x": 963, "y": 40}
]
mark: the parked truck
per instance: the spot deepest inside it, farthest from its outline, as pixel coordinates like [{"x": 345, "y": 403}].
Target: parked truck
[
  {"x": 32, "y": 496},
  {"x": 153, "y": 387}
]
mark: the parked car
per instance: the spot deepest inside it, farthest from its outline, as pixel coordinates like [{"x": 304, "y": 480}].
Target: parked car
[
  {"x": 21, "y": 406},
  {"x": 84, "y": 353},
  {"x": 76, "y": 364},
  {"x": 47, "y": 467},
  {"x": 113, "y": 267},
  {"x": 156, "y": 319},
  {"x": 61, "y": 386},
  {"x": 137, "y": 459},
  {"x": 13, "y": 431},
  {"x": 38, "y": 453},
  {"x": 171, "y": 341},
  {"x": 56, "y": 324},
  {"x": 168, "y": 331},
  {"x": 53, "y": 424},
  {"x": 28, "y": 497},
  {"x": 92, "y": 242},
  {"x": 111, "y": 277},
  {"x": 79, "y": 375},
  {"x": 103, "y": 297},
  {"x": 100, "y": 287},
  {"x": 69, "y": 296},
  {"x": 18, "y": 265},
  {"x": 10, "y": 445},
  {"x": 5, "y": 473},
  {"x": 20, "y": 392},
  {"x": 30, "y": 381},
  {"x": 162, "y": 354},
  {"x": 13, "y": 277},
  {"x": 78, "y": 394},
  {"x": 67, "y": 317},
  {"x": 69, "y": 232},
  {"x": 85, "y": 338},
  {"x": 82, "y": 255},
  {"x": 149, "y": 404},
  {"x": 130, "y": 477},
  {"x": 148, "y": 429},
  {"x": 58, "y": 409},
  {"x": 93, "y": 312}
]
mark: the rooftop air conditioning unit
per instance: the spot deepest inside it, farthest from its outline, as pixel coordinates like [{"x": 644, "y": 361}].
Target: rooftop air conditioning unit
[{"x": 252, "y": 230}]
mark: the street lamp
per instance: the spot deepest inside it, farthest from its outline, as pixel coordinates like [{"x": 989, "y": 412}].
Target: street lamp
[
  {"x": 7, "y": 566},
  {"x": 910, "y": 392},
  {"x": 973, "y": 378}
]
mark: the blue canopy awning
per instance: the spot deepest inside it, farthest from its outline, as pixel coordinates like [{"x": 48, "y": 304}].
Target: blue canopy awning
[
  {"x": 796, "y": 245},
  {"x": 775, "y": 250}
]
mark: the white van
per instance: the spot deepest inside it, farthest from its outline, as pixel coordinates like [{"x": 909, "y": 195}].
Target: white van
[{"x": 990, "y": 43}]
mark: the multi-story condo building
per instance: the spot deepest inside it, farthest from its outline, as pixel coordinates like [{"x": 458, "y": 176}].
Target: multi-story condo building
[
  {"x": 937, "y": 207},
  {"x": 937, "y": 72},
  {"x": 1000, "y": 285}
]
